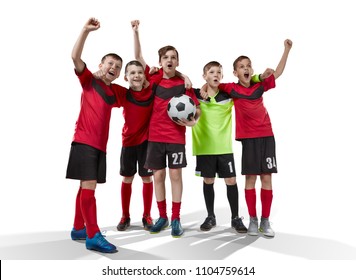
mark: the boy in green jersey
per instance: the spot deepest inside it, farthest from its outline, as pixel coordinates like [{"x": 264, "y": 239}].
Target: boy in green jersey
[{"x": 212, "y": 146}]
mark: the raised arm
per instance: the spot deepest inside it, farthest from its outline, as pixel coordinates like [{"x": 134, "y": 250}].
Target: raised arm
[
  {"x": 91, "y": 25},
  {"x": 282, "y": 63},
  {"x": 137, "y": 44}
]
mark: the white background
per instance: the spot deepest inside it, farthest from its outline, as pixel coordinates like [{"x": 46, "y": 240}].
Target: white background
[{"x": 312, "y": 106}]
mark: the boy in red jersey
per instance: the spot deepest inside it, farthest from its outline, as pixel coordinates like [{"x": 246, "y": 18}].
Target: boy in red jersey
[
  {"x": 166, "y": 139},
  {"x": 137, "y": 106},
  {"x": 254, "y": 130},
  {"x": 87, "y": 159}
]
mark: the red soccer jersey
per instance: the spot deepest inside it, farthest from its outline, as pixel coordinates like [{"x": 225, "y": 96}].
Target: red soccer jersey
[
  {"x": 162, "y": 128},
  {"x": 137, "y": 110},
  {"x": 97, "y": 100},
  {"x": 252, "y": 119}
]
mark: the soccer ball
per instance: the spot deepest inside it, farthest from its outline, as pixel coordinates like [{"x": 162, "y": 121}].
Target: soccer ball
[{"x": 181, "y": 107}]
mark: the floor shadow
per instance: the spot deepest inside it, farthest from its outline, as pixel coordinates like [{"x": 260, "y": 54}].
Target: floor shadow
[{"x": 218, "y": 244}]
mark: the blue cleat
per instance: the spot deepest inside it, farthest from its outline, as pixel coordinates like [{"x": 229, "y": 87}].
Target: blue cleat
[
  {"x": 161, "y": 223},
  {"x": 100, "y": 244},
  {"x": 78, "y": 234},
  {"x": 177, "y": 230}
]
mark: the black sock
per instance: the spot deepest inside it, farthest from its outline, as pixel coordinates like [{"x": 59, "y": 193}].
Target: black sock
[
  {"x": 209, "y": 196},
  {"x": 233, "y": 197}
]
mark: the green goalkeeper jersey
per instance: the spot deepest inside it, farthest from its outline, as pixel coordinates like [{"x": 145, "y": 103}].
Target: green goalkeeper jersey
[{"x": 212, "y": 135}]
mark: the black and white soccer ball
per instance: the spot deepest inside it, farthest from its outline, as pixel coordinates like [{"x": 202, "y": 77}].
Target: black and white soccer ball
[{"x": 181, "y": 107}]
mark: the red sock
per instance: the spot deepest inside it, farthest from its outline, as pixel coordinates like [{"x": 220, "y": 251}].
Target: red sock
[
  {"x": 88, "y": 206},
  {"x": 176, "y": 210},
  {"x": 126, "y": 190},
  {"x": 78, "y": 217},
  {"x": 250, "y": 196},
  {"x": 147, "y": 194},
  {"x": 162, "y": 209},
  {"x": 266, "y": 200}
]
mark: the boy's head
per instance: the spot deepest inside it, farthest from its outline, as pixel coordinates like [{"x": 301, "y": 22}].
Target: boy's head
[
  {"x": 212, "y": 73},
  {"x": 135, "y": 75},
  {"x": 111, "y": 64},
  {"x": 243, "y": 70},
  {"x": 168, "y": 60}
]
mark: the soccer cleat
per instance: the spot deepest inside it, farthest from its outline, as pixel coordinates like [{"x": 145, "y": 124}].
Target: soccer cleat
[
  {"x": 177, "y": 229},
  {"x": 100, "y": 244},
  {"x": 160, "y": 224},
  {"x": 265, "y": 228},
  {"x": 238, "y": 225},
  {"x": 147, "y": 222},
  {"x": 253, "y": 226},
  {"x": 78, "y": 234},
  {"x": 208, "y": 224},
  {"x": 124, "y": 224}
]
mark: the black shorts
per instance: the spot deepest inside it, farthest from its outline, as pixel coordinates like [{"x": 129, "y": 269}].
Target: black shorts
[
  {"x": 86, "y": 163},
  {"x": 210, "y": 165},
  {"x": 258, "y": 156},
  {"x": 158, "y": 153},
  {"x": 134, "y": 156}
]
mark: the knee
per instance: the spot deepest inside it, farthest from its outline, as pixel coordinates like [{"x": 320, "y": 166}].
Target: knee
[
  {"x": 250, "y": 181},
  {"x": 230, "y": 181},
  {"x": 159, "y": 176},
  {"x": 209, "y": 181},
  {"x": 147, "y": 179},
  {"x": 175, "y": 174},
  {"x": 89, "y": 184},
  {"x": 128, "y": 180},
  {"x": 266, "y": 181}
]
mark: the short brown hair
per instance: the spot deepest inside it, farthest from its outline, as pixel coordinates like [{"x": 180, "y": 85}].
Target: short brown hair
[
  {"x": 241, "y": 57},
  {"x": 162, "y": 51},
  {"x": 113, "y": 55},
  {"x": 209, "y": 65},
  {"x": 133, "y": 62}
]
